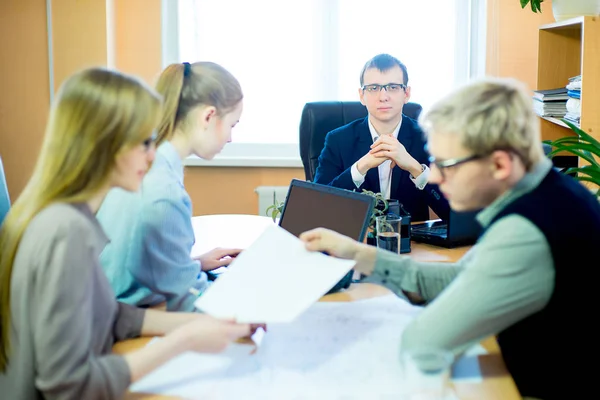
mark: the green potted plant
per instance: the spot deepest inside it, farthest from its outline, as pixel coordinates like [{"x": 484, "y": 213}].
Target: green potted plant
[
  {"x": 587, "y": 148},
  {"x": 535, "y": 5},
  {"x": 275, "y": 209}
]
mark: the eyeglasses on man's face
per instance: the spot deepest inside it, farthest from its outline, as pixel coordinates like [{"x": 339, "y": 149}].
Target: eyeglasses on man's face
[
  {"x": 390, "y": 88},
  {"x": 452, "y": 162}
]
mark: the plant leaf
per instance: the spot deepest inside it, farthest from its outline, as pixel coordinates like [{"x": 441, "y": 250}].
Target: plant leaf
[
  {"x": 580, "y": 132},
  {"x": 586, "y": 179},
  {"x": 579, "y": 149},
  {"x": 583, "y": 145},
  {"x": 577, "y": 142},
  {"x": 595, "y": 147},
  {"x": 592, "y": 171},
  {"x": 524, "y": 3},
  {"x": 590, "y": 155},
  {"x": 567, "y": 139}
]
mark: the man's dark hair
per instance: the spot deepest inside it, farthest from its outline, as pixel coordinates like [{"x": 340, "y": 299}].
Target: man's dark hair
[{"x": 383, "y": 62}]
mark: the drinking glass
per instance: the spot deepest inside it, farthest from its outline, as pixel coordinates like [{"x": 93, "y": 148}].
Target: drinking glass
[
  {"x": 426, "y": 373},
  {"x": 388, "y": 232}
]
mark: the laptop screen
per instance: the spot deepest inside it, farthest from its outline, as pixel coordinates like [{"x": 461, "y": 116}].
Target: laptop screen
[{"x": 311, "y": 205}]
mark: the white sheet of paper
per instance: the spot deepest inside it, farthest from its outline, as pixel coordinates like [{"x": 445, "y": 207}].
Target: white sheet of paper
[
  {"x": 273, "y": 280},
  {"x": 338, "y": 350},
  {"x": 345, "y": 350},
  {"x": 229, "y": 231}
]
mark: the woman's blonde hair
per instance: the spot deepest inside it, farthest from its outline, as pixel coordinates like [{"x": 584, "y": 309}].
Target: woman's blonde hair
[
  {"x": 489, "y": 114},
  {"x": 96, "y": 115},
  {"x": 187, "y": 86}
]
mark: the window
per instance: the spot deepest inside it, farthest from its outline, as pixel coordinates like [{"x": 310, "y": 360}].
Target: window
[{"x": 286, "y": 53}]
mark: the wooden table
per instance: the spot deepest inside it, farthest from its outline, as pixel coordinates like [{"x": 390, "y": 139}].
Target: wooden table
[{"x": 497, "y": 383}]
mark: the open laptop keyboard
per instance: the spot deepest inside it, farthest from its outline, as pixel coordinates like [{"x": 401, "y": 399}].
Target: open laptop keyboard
[{"x": 438, "y": 228}]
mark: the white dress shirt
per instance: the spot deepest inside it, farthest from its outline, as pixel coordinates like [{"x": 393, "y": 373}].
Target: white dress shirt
[{"x": 385, "y": 173}]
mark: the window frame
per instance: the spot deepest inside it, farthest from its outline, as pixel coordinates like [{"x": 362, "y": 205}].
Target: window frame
[{"x": 469, "y": 64}]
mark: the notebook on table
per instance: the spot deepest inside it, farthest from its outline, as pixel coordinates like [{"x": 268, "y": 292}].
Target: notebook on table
[
  {"x": 311, "y": 205},
  {"x": 460, "y": 229}
]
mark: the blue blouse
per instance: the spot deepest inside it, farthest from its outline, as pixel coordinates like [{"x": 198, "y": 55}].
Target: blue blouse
[{"x": 148, "y": 258}]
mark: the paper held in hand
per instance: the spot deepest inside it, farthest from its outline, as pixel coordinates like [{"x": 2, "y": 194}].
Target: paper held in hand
[{"x": 273, "y": 280}]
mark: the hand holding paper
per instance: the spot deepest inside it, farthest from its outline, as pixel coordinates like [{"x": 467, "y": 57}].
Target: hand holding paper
[
  {"x": 273, "y": 280},
  {"x": 216, "y": 258},
  {"x": 338, "y": 245},
  {"x": 206, "y": 334}
]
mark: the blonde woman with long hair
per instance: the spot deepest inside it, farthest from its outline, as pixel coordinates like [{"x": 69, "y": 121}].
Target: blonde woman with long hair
[
  {"x": 59, "y": 317},
  {"x": 148, "y": 261}
]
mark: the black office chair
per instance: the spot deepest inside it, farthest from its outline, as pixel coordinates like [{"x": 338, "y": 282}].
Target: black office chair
[{"x": 320, "y": 117}]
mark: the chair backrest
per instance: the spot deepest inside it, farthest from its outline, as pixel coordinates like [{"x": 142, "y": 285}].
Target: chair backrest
[
  {"x": 4, "y": 199},
  {"x": 320, "y": 117}
]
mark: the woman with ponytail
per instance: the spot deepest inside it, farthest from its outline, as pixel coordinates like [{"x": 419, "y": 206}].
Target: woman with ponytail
[
  {"x": 148, "y": 260},
  {"x": 58, "y": 315}
]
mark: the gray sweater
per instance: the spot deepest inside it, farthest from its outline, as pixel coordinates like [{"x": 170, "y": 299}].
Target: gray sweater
[{"x": 65, "y": 318}]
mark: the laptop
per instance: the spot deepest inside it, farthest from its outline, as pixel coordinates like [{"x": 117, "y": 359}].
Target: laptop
[
  {"x": 460, "y": 229},
  {"x": 311, "y": 205}
]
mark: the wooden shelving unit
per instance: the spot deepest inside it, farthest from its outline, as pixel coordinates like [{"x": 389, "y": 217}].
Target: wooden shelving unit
[
  {"x": 555, "y": 121},
  {"x": 566, "y": 49}
]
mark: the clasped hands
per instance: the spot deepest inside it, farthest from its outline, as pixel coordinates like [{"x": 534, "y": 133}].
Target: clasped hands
[{"x": 387, "y": 147}]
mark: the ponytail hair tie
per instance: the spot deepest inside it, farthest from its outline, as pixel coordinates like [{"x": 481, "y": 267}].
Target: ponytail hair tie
[{"x": 187, "y": 69}]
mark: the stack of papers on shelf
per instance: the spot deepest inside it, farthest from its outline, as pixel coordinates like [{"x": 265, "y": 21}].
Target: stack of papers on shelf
[
  {"x": 550, "y": 108},
  {"x": 550, "y": 102},
  {"x": 574, "y": 82},
  {"x": 574, "y": 102},
  {"x": 573, "y": 111},
  {"x": 551, "y": 94}
]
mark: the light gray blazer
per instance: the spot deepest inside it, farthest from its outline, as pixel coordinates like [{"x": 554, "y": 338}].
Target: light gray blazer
[{"x": 64, "y": 315}]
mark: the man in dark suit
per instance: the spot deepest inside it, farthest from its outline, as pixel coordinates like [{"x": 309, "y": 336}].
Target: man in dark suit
[{"x": 385, "y": 151}]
